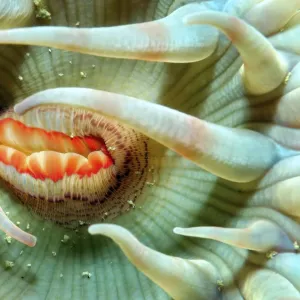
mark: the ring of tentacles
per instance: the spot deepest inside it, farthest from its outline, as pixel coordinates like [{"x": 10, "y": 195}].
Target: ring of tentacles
[{"x": 222, "y": 153}]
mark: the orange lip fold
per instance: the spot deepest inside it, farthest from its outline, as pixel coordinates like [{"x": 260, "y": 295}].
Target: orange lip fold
[{"x": 53, "y": 154}]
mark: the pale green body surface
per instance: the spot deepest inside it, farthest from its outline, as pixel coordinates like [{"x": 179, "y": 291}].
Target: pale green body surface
[{"x": 228, "y": 120}]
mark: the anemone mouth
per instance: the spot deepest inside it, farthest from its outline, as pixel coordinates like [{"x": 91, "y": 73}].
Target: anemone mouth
[
  {"x": 50, "y": 154},
  {"x": 71, "y": 166}
]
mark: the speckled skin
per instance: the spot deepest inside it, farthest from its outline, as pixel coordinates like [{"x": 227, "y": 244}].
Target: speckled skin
[{"x": 227, "y": 118}]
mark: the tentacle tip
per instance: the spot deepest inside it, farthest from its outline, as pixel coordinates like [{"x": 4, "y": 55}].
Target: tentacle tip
[
  {"x": 18, "y": 109},
  {"x": 95, "y": 229},
  {"x": 178, "y": 230},
  {"x": 190, "y": 19},
  {"x": 32, "y": 241}
]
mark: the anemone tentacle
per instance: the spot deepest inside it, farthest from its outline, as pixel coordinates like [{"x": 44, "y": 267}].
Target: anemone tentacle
[
  {"x": 202, "y": 142},
  {"x": 167, "y": 40},
  {"x": 15, "y": 232},
  {"x": 263, "y": 69},
  {"x": 181, "y": 278},
  {"x": 231, "y": 115}
]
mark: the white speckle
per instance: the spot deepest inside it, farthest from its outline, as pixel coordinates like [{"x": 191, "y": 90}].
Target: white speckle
[
  {"x": 296, "y": 245},
  {"x": 83, "y": 74},
  {"x": 81, "y": 222},
  {"x": 70, "y": 62},
  {"x": 60, "y": 74},
  {"x": 271, "y": 254},
  {"x": 20, "y": 78},
  {"x": 53, "y": 253},
  {"x": 111, "y": 148},
  {"x": 150, "y": 183},
  {"x": 287, "y": 78},
  {"x": 86, "y": 274},
  {"x": 9, "y": 264},
  {"x": 28, "y": 226},
  {"x": 7, "y": 213},
  {"x": 21, "y": 252},
  {"x": 27, "y": 54},
  {"x": 66, "y": 239},
  {"x": 130, "y": 202},
  {"x": 8, "y": 239},
  {"x": 220, "y": 284},
  {"x": 61, "y": 275},
  {"x": 18, "y": 223},
  {"x": 49, "y": 50},
  {"x": 93, "y": 66},
  {"x": 77, "y": 24},
  {"x": 28, "y": 265}
]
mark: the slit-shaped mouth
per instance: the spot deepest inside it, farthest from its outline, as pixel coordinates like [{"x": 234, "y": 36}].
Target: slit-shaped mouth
[
  {"x": 71, "y": 164},
  {"x": 50, "y": 154}
]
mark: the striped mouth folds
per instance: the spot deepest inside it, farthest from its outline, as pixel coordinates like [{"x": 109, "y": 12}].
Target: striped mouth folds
[
  {"x": 50, "y": 154},
  {"x": 71, "y": 165}
]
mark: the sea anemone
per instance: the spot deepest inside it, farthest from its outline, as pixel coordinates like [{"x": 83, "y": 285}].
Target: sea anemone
[{"x": 169, "y": 127}]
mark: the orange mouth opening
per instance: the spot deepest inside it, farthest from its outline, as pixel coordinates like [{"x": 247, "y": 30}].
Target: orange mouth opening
[{"x": 50, "y": 154}]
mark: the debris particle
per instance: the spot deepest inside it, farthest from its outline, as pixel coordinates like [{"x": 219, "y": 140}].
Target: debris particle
[
  {"x": 53, "y": 253},
  {"x": 61, "y": 275},
  {"x": 27, "y": 54},
  {"x": 83, "y": 74},
  {"x": 18, "y": 223},
  {"x": 77, "y": 24},
  {"x": 296, "y": 245},
  {"x": 41, "y": 11},
  {"x": 20, "y": 78},
  {"x": 106, "y": 213},
  {"x": 130, "y": 202},
  {"x": 150, "y": 183},
  {"x": 66, "y": 239},
  {"x": 60, "y": 74},
  {"x": 271, "y": 254},
  {"x": 137, "y": 172},
  {"x": 28, "y": 265},
  {"x": 28, "y": 226},
  {"x": 70, "y": 62},
  {"x": 86, "y": 274},
  {"x": 151, "y": 170},
  {"x": 49, "y": 50},
  {"x": 8, "y": 239},
  {"x": 287, "y": 78},
  {"x": 21, "y": 252},
  {"x": 93, "y": 66},
  {"x": 81, "y": 223},
  {"x": 220, "y": 284},
  {"x": 9, "y": 264},
  {"x": 111, "y": 148},
  {"x": 7, "y": 213}
]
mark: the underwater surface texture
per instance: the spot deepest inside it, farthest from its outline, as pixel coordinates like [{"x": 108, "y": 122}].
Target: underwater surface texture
[{"x": 150, "y": 149}]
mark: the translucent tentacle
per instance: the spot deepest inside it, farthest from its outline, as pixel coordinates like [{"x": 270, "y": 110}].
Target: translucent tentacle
[
  {"x": 180, "y": 278},
  {"x": 235, "y": 154},
  {"x": 263, "y": 69}
]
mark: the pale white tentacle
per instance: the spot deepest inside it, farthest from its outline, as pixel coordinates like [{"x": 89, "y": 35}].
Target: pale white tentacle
[
  {"x": 180, "y": 278},
  {"x": 263, "y": 69},
  {"x": 167, "y": 39},
  {"x": 235, "y": 154},
  {"x": 277, "y": 13},
  {"x": 15, "y": 232},
  {"x": 261, "y": 236}
]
